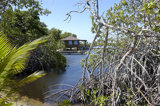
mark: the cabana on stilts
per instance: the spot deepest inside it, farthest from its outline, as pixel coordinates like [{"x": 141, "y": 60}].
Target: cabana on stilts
[{"x": 73, "y": 42}]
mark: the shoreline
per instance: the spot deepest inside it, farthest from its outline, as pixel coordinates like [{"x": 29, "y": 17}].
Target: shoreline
[{"x": 26, "y": 101}]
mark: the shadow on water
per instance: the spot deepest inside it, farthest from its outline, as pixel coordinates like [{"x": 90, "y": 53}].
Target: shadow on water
[{"x": 37, "y": 89}]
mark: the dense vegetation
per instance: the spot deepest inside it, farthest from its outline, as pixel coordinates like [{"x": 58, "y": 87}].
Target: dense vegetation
[
  {"x": 19, "y": 24},
  {"x": 24, "y": 26},
  {"x": 125, "y": 67},
  {"x": 12, "y": 61}
]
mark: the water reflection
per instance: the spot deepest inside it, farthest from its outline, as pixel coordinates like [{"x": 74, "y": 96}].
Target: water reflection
[{"x": 38, "y": 89}]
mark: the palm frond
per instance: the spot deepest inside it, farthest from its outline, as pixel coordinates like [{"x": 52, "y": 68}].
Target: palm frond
[
  {"x": 5, "y": 49},
  {"x": 13, "y": 59},
  {"x": 31, "y": 78}
]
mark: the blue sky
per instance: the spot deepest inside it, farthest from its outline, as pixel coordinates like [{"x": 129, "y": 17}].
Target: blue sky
[{"x": 80, "y": 24}]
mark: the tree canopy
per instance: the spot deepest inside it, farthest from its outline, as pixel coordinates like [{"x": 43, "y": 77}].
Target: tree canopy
[
  {"x": 11, "y": 5},
  {"x": 66, "y": 34},
  {"x": 22, "y": 26}
]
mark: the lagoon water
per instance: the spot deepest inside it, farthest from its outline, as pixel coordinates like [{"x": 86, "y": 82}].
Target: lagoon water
[{"x": 45, "y": 86}]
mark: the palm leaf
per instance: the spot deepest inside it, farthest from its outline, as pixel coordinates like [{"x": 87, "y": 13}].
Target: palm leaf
[
  {"x": 31, "y": 78},
  {"x": 13, "y": 59},
  {"x": 5, "y": 49},
  {"x": 16, "y": 59}
]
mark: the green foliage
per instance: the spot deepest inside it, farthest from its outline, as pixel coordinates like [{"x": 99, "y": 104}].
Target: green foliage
[
  {"x": 124, "y": 15},
  {"x": 65, "y": 103},
  {"x": 12, "y": 61},
  {"x": 92, "y": 95},
  {"x": 129, "y": 98},
  {"x": 14, "y": 58},
  {"x": 22, "y": 26},
  {"x": 21, "y": 4},
  {"x": 125, "y": 20},
  {"x": 94, "y": 25},
  {"x": 55, "y": 33},
  {"x": 152, "y": 9},
  {"x": 3, "y": 102},
  {"x": 100, "y": 100},
  {"x": 49, "y": 50},
  {"x": 31, "y": 78},
  {"x": 66, "y": 34}
]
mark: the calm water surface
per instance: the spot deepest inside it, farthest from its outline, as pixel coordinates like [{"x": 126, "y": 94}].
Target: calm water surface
[{"x": 37, "y": 90}]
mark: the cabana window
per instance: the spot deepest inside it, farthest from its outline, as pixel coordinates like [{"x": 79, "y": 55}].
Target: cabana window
[
  {"x": 75, "y": 42},
  {"x": 70, "y": 42}
]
